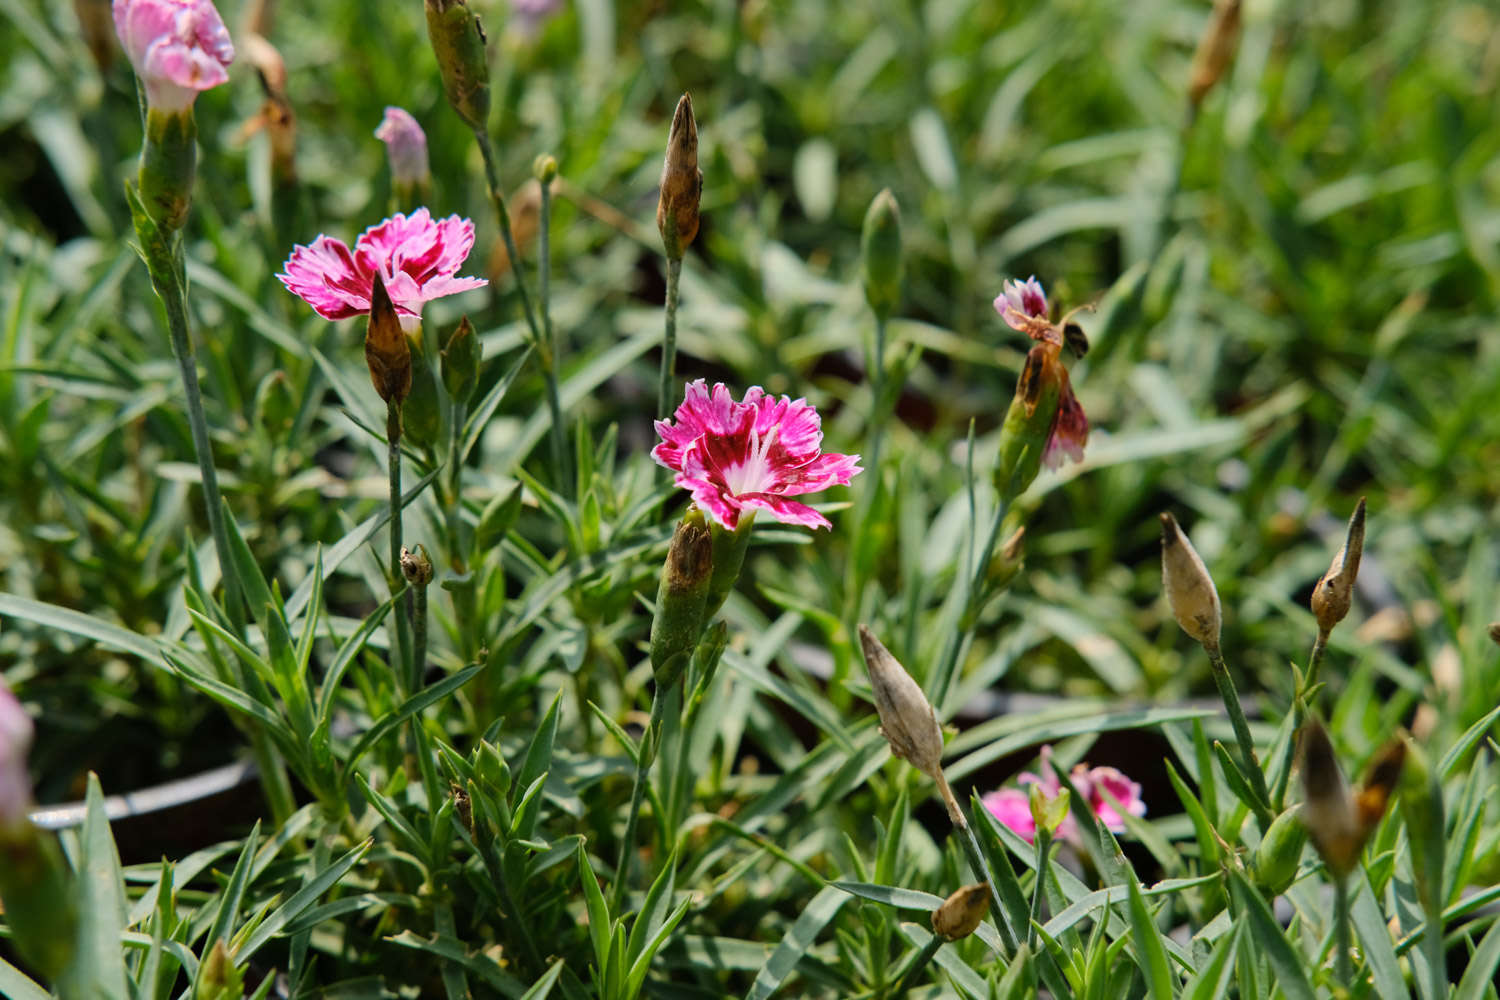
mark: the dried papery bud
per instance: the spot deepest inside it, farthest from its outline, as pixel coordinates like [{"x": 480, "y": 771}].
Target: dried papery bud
[
  {"x": 681, "y": 597},
  {"x": 907, "y": 720},
  {"x": 1215, "y": 50},
  {"x": 880, "y": 253},
  {"x": 98, "y": 29},
  {"x": 1335, "y": 591},
  {"x": 681, "y": 183},
  {"x": 386, "y": 350},
  {"x": 1380, "y": 780},
  {"x": 416, "y": 565},
  {"x": 525, "y": 222},
  {"x": 458, "y": 42},
  {"x": 1190, "y": 590},
  {"x": 961, "y": 913},
  {"x": 1328, "y": 804}
]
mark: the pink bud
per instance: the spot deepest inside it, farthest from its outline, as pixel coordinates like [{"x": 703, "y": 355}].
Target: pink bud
[
  {"x": 178, "y": 47},
  {"x": 406, "y": 144}
]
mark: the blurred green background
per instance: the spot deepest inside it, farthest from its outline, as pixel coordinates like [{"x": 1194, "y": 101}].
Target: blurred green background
[{"x": 1296, "y": 307}]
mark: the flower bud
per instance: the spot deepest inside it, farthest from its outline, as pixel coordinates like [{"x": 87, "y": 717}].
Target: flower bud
[
  {"x": 416, "y": 566},
  {"x": 169, "y": 162},
  {"x": 1029, "y": 420},
  {"x": 1280, "y": 852},
  {"x": 218, "y": 977},
  {"x": 177, "y": 48},
  {"x": 421, "y": 413},
  {"x": 1048, "y": 809},
  {"x": 1338, "y": 820},
  {"x": 544, "y": 168},
  {"x": 406, "y": 149},
  {"x": 1422, "y": 809},
  {"x": 386, "y": 350},
  {"x": 961, "y": 913},
  {"x": 907, "y": 720},
  {"x": 680, "y": 598},
  {"x": 880, "y": 253},
  {"x": 1215, "y": 50},
  {"x": 681, "y": 183},
  {"x": 1190, "y": 590},
  {"x": 1335, "y": 591},
  {"x": 458, "y": 42},
  {"x": 460, "y": 362}
]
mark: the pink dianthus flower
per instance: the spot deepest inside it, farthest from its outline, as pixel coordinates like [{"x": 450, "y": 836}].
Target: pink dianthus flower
[
  {"x": 750, "y": 455},
  {"x": 178, "y": 47},
  {"x": 1012, "y": 806},
  {"x": 418, "y": 260}
]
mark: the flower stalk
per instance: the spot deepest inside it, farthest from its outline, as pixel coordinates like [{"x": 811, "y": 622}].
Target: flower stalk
[{"x": 677, "y": 219}]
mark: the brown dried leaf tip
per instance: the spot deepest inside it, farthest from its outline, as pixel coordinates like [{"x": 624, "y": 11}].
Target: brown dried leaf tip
[
  {"x": 907, "y": 720},
  {"x": 1215, "y": 50},
  {"x": 961, "y": 913},
  {"x": 1335, "y": 591},
  {"x": 1190, "y": 590},
  {"x": 386, "y": 350},
  {"x": 681, "y": 183},
  {"x": 1340, "y": 820}
]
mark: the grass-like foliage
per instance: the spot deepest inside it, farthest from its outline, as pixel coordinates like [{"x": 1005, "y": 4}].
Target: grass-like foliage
[{"x": 599, "y": 608}]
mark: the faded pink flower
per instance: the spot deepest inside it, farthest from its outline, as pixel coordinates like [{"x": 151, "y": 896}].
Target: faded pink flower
[
  {"x": 15, "y": 740},
  {"x": 1020, "y": 302},
  {"x": 417, "y": 259},
  {"x": 750, "y": 455},
  {"x": 1012, "y": 806},
  {"x": 178, "y": 47},
  {"x": 1023, "y": 306},
  {"x": 405, "y": 145}
]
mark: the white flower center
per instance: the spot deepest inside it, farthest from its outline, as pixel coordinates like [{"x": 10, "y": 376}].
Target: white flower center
[{"x": 753, "y": 474}]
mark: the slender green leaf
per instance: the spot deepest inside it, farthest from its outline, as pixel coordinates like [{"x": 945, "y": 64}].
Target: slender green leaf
[
  {"x": 1288, "y": 966},
  {"x": 427, "y": 696},
  {"x": 798, "y": 939}
]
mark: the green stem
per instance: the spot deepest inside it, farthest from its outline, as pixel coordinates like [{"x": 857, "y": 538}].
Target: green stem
[
  {"x": 1432, "y": 945},
  {"x": 1043, "y": 842},
  {"x": 1299, "y": 712},
  {"x": 400, "y": 623},
  {"x": 1248, "y": 759},
  {"x": 877, "y": 411},
  {"x": 1341, "y": 943},
  {"x": 418, "y": 596},
  {"x": 970, "y": 843},
  {"x": 971, "y": 598},
  {"x": 643, "y": 761},
  {"x": 918, "y": 964},
  {"x": 549, "y": 349},
  {"x": 666, "y": 393},
  {"x": 502, "y": 213}
]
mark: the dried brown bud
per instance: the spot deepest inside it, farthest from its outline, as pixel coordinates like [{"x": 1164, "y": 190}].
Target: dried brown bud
[
  {"x": 960, "y": 914},
  {"x": 276, "y": 115},
  {"x": 907, "y": 720},
  {"x": 1339, "y": 820},
  {"x": 416, "y": 566},
  {"x": 98, "y": 29},
  {"x": 1190, "y": 590},
  {"x": 1335, "y": 591},
  {"x": 681, "y": 183},
  {"x": 1215, "y": 50},
  {"x": 386, "y": 350},
  {"x": 1495, "y": 632}
]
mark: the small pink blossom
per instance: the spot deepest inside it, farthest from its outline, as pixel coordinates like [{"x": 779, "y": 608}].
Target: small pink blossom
[
  {"x": 1012, "y": 806},
  {"x": 405, "y": 145},
  {"x": 15, "y": 740},
  {"x": 178, "y": 47},
  {"x": 1070, "y": 431},
  {"x": 750, "y": 455},
  {"x": 1020, "y": 302},
  {"x": 417, "y": 258}
]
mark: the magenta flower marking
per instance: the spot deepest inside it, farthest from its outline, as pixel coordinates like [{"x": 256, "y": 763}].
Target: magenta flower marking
[
  {"x": 1070, "y": 431},
  {"x": 406, "y": 145},
  {"x": 15, "y": 739},
  {"x": 178, "y": 47},
  {"x": 750, "y": 455},
  {"x": 417, "y": 258},
  {"x": 1012, "y": 806},
  {"x": 1019, "y": 302}
]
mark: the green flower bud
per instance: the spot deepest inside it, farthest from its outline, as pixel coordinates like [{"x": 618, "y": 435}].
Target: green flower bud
[
  {"x": 729, "y": 558},
  {"x": 1048, "y": 810},
  {"x": 1280, "y": 852},
  {"x": 218, "y": 977},
  {"x": 422, "y": 413},
  {"x": 544, "y": 168},
  {"x": 460, "y": 362},
  {"x": 1422, "y": 809},
  {"x": 458, "y": 42},
  {"x": 1028, "y": 422},
  {"x": 680, "y": 598},
  {"x": 416, "y": 565},
  {"x": 880, "y": 253},
  {"x": 169, "y": 160}
]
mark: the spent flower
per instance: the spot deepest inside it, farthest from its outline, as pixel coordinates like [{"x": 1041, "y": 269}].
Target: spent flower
[
  {"x": 406, "y": 147},
  {"x": 738, "y": 457},
  {"x": 178, "y": 47},
  {"x": 416, "y": 256}
]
